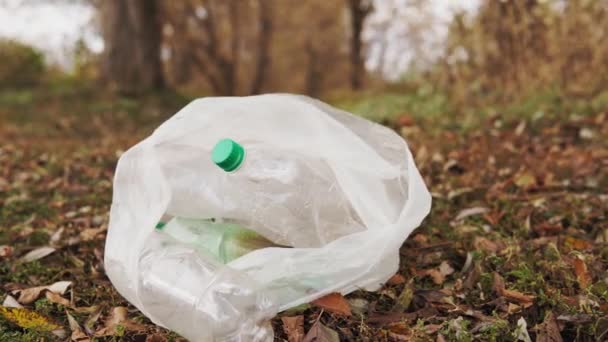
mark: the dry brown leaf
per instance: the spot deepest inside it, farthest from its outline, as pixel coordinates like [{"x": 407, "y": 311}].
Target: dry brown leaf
[
  {"x": 397, "y": 279},
  {"x": 56, "y": 298},
  {"x": 434, "y": 273},
  {"x": 6, "y": 251},
  {"x": 156, "y": 338},
  {"x": 77, "y": 334},
  {"x": 89, "y": 234},
  {"x": 525, "y": 300},
  {"x": 582, "y": 273},
  {"x": 486, "y": 245},
  {"x": 399, "y": 332},
  {"x": 548, "y": 330},
  {"x": 37, "y": 254},
  {"x": 293, "y": 328},
  {"x": 320, "y": 333},
  {"x": 28, "y": 296},
  {"x": 117, "y": 317},
  {"x": 334, "y": 302},
  {"x": 437, "y": 274},
  {"x": 573, "y": 243},
  {"x": 525, "y": 180},
  {"x": 498, "y": 285},
  {"x": 493, "y": 217}
]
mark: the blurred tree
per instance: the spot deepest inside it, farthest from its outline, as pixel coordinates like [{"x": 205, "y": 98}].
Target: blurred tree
[
  {"x": 132, "y": 36},
  {"x": 359, "y": 10},
  {"x": 264, "y": 39},
  {"x": 237, "y": 47},
  {"x": 228, "y": 42}
]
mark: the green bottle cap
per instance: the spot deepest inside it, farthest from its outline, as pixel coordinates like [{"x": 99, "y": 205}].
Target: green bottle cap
[{"x": 228, "y": 154}]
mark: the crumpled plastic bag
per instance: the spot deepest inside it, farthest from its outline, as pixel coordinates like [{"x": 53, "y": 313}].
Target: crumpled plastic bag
[{"x": 182, "y": 289}]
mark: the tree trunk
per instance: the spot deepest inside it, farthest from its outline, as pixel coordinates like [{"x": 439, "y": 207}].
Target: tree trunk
[
  {"x": 132, "y": 36},
  {"x": 313, "y": 74},
  {"x": 359, "y": 9},
  {"x": 263, "y": 53}
]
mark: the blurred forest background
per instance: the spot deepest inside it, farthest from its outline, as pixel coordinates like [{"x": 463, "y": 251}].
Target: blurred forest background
[
  {"x": 503, "y": 103},
  {"x": 423, "y": 57}
]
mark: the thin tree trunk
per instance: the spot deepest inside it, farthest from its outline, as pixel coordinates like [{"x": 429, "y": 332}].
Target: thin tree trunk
[
  {"x": 132, "y": 35},
  {"x": 359, "y": 9},
  {"x": 263, "y": 53},
  {"x": 313, "y": 75}
]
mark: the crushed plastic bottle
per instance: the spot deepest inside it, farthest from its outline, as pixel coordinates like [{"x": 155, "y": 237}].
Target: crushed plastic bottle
[
  {"x": 341, "y": 193},
  {"x": 223, "y": 241}
]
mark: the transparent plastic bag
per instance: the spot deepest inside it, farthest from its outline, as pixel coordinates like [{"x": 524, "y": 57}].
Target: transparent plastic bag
[{"x": 186, "y": 290}]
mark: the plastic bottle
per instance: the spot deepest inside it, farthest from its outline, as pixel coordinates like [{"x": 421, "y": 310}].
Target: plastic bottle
[
  {"x": 224, "y": 241},
  {"x": 289, "y": 199}
]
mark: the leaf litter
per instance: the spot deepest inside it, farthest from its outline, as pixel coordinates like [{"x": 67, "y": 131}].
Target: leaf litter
[{"x": 516, "y": 242}]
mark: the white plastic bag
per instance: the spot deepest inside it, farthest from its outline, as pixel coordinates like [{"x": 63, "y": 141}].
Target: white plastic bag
[{"x": 202, "y": 299}]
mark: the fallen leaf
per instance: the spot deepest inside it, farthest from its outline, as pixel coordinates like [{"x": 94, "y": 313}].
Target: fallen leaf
[
  {"x": 37, "y": 254},
  {"x": 573, "y": 243},
  {"x": 522, "y": 330},
  {"x": 56, "y": 237},
  {"x": 498, "y": 284},
  {"x": 31, "y": 320},
  {"x": 60, "y": 286},
  {"x": 320, "y": 333},
  {"x": 470, "y": 212},
  {"x": 77, "y": 334},
  {"x": 118, "y": 317},
  {"x": 11, "y": 302},
  {"x": 437, "y": 274},
  {"x": 399, "y": 332},
  {"x": 525, "y": 180},
  {"x": 89, "y": 234},
  {"x": 6, "y": 251},
  {"x": 293, "y": 328},
  {"x": 396, "y": 279},
  {"x": 548, "y": 330},
  {"x": 486, "y": 245},
  {"x": 434, "y": 273},
  {"x": 28, "y": 296},
  {"x": 525, "y": 300},
  {"x": 498, "y": 287},
  {"x": 56, "y": 298},
  {"x": 582, "y": 273},
  {"x": 156, "y": 338},
  {"x": 445, "y": 268},
  {"x": 578, "y": 318},
  {"x": 493, "y": 217},
  {"x": 334, "y": 302}
]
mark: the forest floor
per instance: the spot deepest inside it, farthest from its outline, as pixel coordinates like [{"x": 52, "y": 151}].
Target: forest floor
[{"x": 515, "y": 248}]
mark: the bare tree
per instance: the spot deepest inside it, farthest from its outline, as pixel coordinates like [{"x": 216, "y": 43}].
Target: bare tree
[
  {"x": 132, "y": 35},
  {"x": 359, "y": 10}
]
